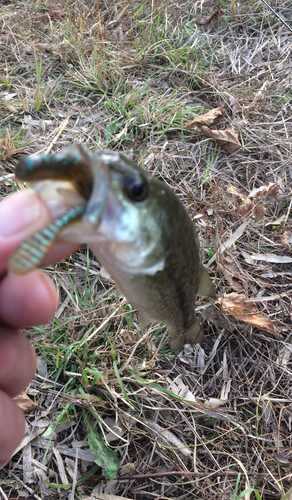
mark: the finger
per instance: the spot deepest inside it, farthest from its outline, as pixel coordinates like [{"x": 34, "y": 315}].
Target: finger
[
  {"x": 21, "y": 215},
  {"x": 12, "y": 427},
  {"x": 17, "y": 361},
  {"x": 59, "y": 251},
  {"x": 27, "y": 300}
]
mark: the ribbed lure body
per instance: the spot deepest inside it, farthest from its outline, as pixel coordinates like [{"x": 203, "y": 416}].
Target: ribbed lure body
[{"x": 32, "y": 251}]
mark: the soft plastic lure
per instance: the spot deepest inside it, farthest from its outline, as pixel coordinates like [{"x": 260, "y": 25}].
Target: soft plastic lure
[{"x": 32, "y": 251}]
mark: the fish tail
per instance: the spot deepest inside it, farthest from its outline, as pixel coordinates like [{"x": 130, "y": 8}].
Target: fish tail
[{"x": 193, "y": 335}]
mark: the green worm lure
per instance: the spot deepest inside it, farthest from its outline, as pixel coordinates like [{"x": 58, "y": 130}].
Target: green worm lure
[{"x": 32, "y": 251}]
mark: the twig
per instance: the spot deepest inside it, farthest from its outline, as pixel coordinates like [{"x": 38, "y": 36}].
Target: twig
[
  {"x": 204, "y": 475},
  {"x": 18, "y": 480},
  {"x": 103, "y": 323},
  {"x": 3, "y": 494},
  {"x": 277, "y": 15}
]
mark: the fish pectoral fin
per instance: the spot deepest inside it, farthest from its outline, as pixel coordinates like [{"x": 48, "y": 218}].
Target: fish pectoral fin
[
  {"x": 206, "y": 287},
  {"x": 193, "y": 335}
]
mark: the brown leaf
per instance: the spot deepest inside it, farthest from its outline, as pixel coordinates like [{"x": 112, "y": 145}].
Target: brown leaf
[
  {"x": 236, "y": 305},
  {"x": 266, "y": 191},
  {"x": 246, "y": 207},
  {"x": 259, "y": 211},
  {"x": 250, "y": 202},
  {"x": 210, "y": 118},
  {"x": 286, "y": 238},
  {"x": 231, "y": 273},
  {"x": 25, "y": 403},
  {"x": 227, "y": 138},
  {"x": 232, "y": 190}
]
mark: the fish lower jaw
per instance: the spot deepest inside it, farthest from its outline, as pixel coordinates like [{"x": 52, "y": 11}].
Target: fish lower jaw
[{"x": 120, "y": 258}]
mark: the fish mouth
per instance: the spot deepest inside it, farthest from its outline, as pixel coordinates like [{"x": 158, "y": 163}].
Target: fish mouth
[{"x": 96, "y": 204}]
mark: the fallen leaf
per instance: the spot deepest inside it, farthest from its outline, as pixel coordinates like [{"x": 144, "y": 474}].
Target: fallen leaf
[
  {"x": 268, "y": 190},
  {"x": 105, "y": 496},
  {"x": 232, "y": 190},
  {"x": 286, "y": 238},
  {"x": 276, "y": 222},
  {"x": 282, "y": 460},
  {"x": 168, "y": 439},
  {"x": 25, "y": 403},
  {"x": 258, "y": 212},
  {"x": 268, "y": 257},
  {"x": 247, "y": 207},
  {"x": 210, "y": 118},
  {"x": 236, "y": 305},
  {"x": 284, "y": 355},
  {"x": 233, "y": 238},
  {"x": 215, "y": 316},
  {"x": 231, "y": 273},
  {"x": 227, "y": 138},
  {"x": 178, "y": 387},
  {"x": 214, "y": 403},
  {"x": 253, "y": 202}
]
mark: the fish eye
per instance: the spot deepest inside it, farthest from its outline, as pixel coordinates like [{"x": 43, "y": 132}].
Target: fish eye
[{"x": 137, "y": 189}]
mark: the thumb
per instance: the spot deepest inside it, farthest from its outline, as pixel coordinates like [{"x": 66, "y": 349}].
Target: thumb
[{"x": 21, "y": 215}]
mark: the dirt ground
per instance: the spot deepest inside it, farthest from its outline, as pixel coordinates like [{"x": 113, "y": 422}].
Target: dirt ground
[{"x": 112, "y": 412}]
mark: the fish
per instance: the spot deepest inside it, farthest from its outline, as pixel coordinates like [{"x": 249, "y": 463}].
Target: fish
[{"x": 135, "y": 225}]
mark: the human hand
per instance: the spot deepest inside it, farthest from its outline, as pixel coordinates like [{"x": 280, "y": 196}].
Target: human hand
[{"x": 24, "y": 301}]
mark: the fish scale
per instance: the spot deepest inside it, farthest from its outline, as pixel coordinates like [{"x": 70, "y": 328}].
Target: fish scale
[{"x": 32, "y": 251}]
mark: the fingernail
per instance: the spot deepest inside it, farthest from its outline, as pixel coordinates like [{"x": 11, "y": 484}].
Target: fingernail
[{"x": 18, "y": 211}]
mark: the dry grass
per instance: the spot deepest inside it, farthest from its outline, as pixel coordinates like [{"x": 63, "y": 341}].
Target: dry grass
[{"x": 127, "y": 76}]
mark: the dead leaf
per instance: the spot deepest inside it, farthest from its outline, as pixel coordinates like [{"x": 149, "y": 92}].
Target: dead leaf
[
  {"x": 247, "y": 207},
  {"x": 227, "y": 138},
  {"x": 105, "y": 496},
  {"x": 276, "y": 222},
  {"x": 259, "y": 212},
  {"x": 268, "y": 257},
  {"x": 283, "y": 460},
  {"x": 232, "y": 190},
  {"x": 233, "y": 238},
  {"x": 25, "y": 403},
  {"x": 215, "y": 403},
  {"x": 231, "y": 273},
  {"x": 284, "y": 355},
  {"x": 210, "y": 118},
  {"x": 168, "y": 439},
  {"x": 286, "y": 238},
  {"x": 236, "y": 305},
  {"x": 268, "y": 190},
  {"x": 254, "y": 201},
  {"x": 178, "y": 387}
]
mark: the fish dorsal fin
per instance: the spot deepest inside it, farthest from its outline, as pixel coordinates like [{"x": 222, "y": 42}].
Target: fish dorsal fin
[{"x": 206, "y": 288}]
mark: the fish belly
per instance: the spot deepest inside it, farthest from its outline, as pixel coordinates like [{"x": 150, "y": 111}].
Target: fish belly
[{"x": 161, "y": 300}]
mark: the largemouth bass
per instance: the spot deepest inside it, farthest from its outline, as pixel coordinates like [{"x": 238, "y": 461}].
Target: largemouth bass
[{"x": 135, "y": 225}]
